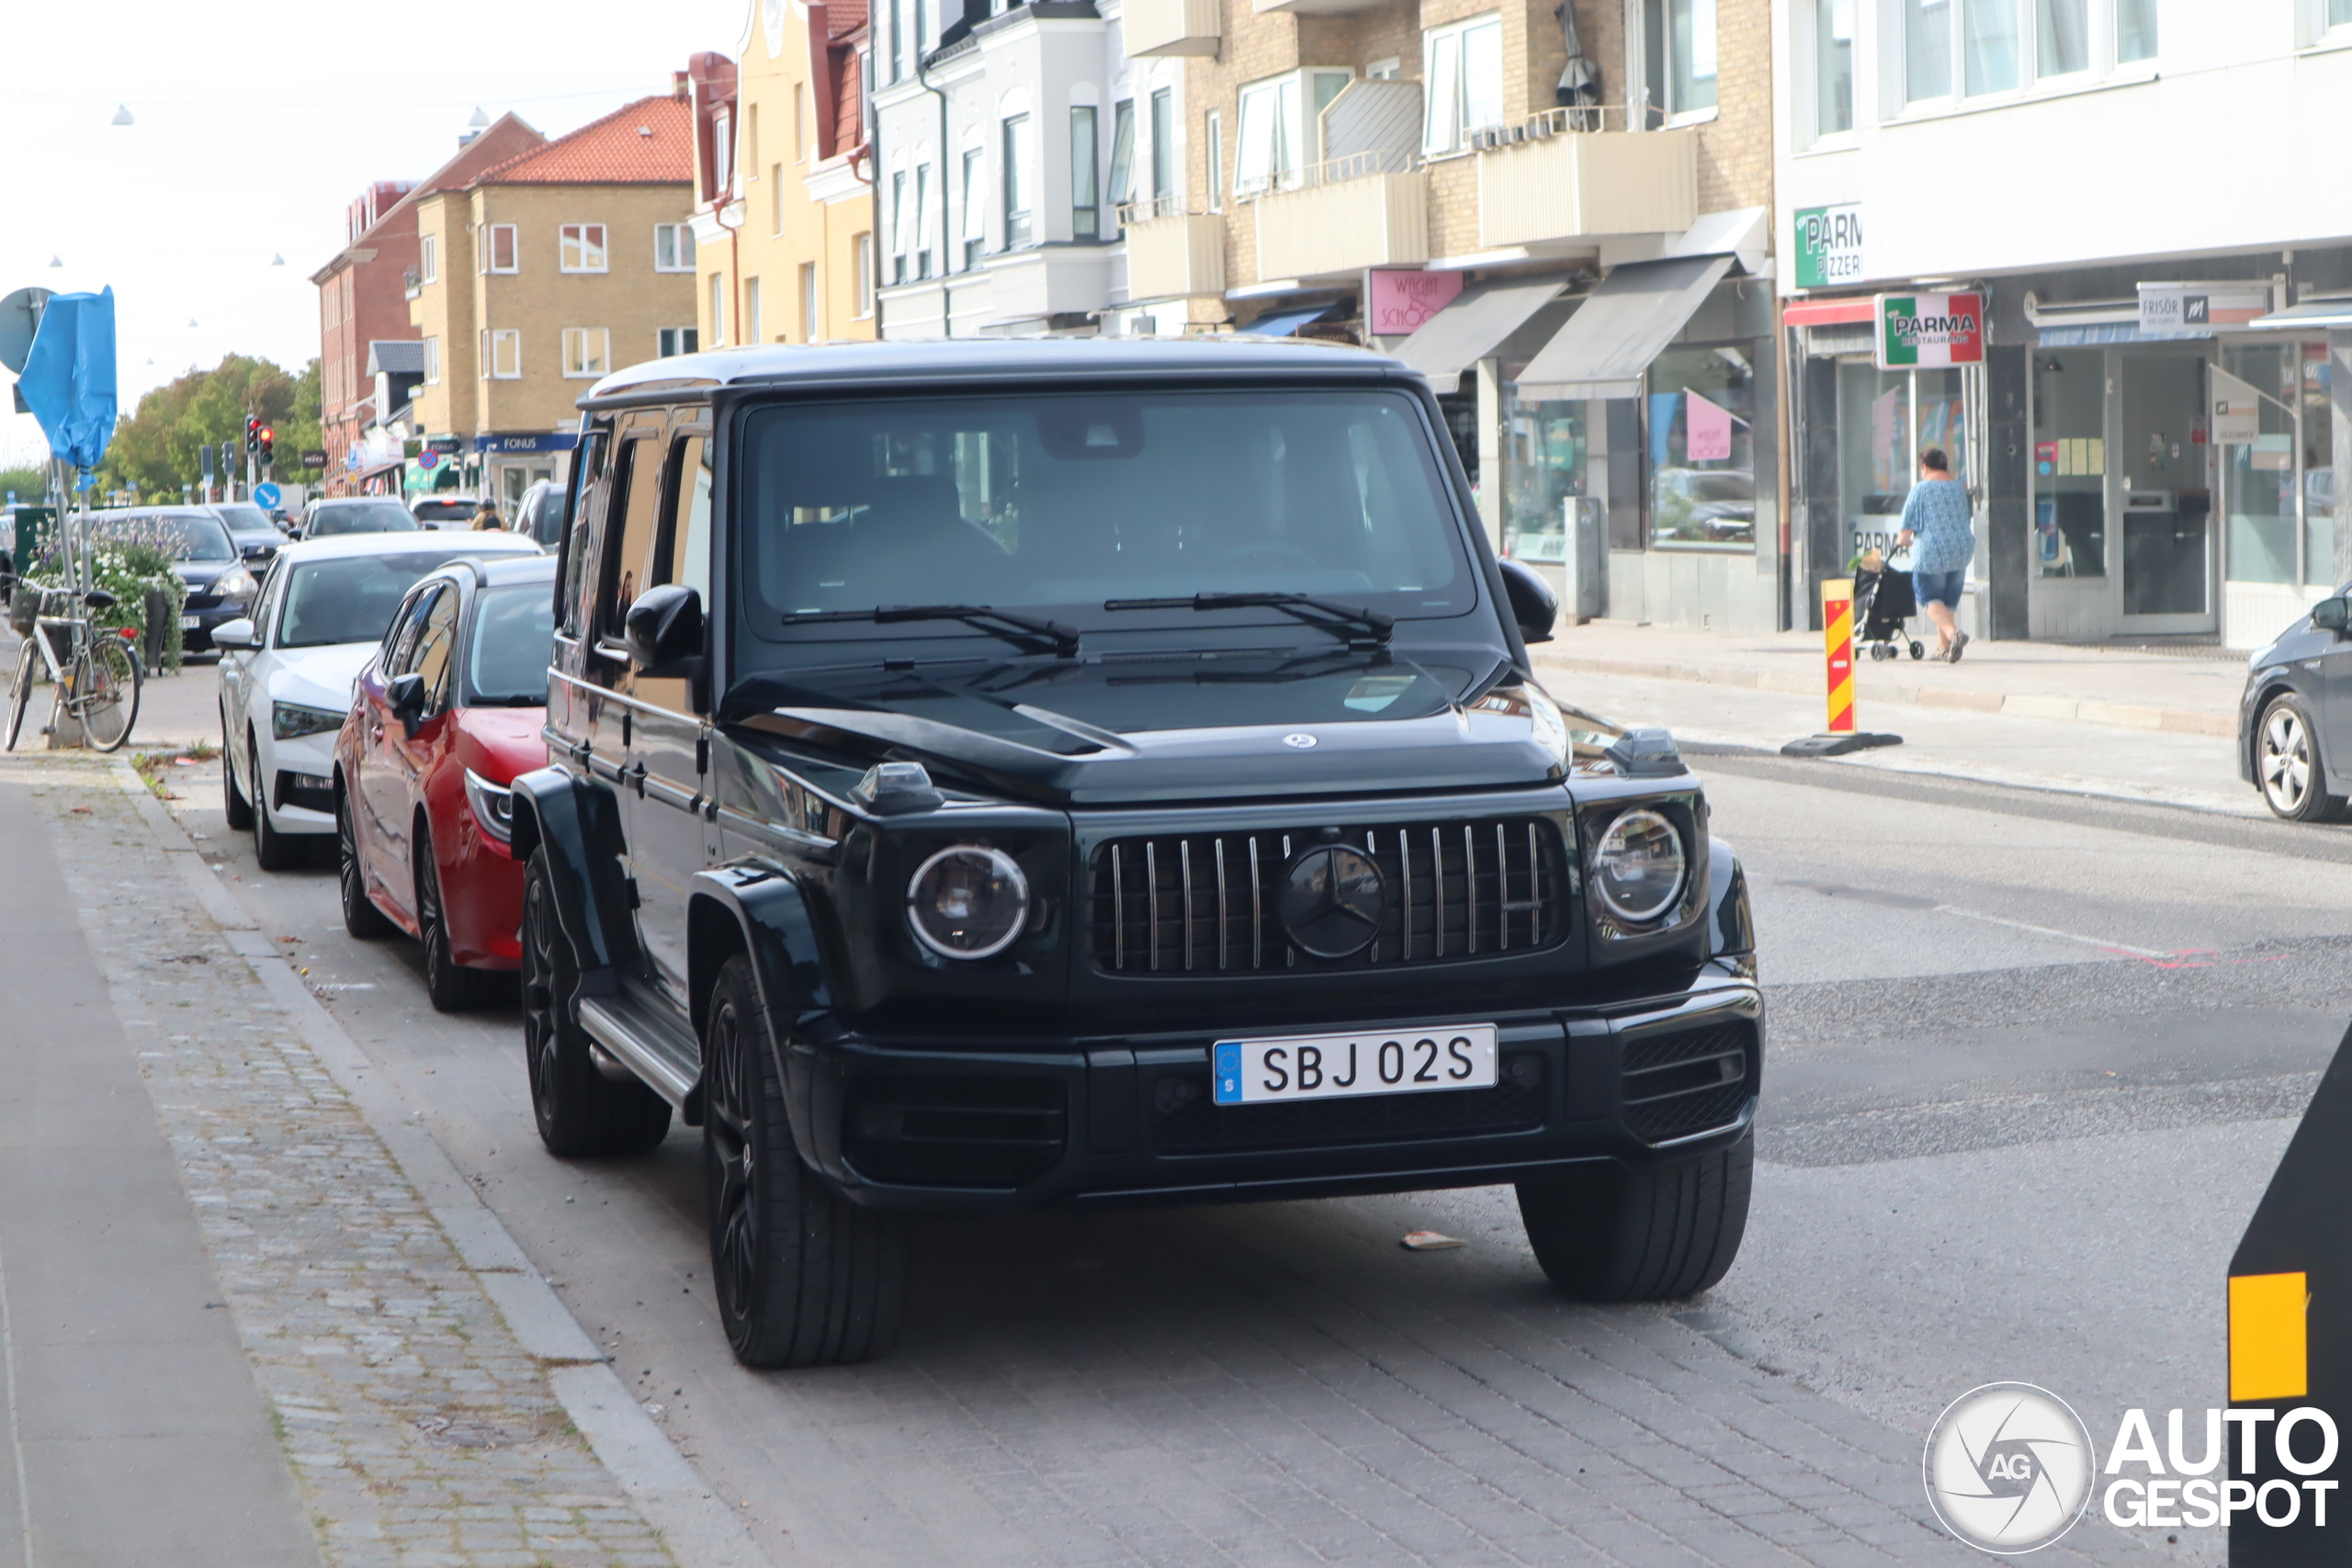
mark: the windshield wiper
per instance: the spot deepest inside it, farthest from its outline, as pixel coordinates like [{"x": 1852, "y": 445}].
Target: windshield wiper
[
  {"x": 1326, "y": 614},
  {"x": 1010, "y": 624}
]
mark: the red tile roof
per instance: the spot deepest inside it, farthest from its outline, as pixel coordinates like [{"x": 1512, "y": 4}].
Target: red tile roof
[{"x": 649, "y": 141}]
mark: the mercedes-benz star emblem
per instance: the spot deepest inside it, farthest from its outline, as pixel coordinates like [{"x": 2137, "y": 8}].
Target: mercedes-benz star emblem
[
  {"x": 1331, "y": 901},
  {"x": 1299, "y": 742}
]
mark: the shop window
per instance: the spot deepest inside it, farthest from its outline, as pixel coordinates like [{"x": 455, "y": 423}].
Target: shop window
[
  {"x": 1702, "y": 448},
  {"x": 2259, "y": 478},
  {"x": 1991, "y": 52},
  {"x": 2070, "y": 462},
  {"x": 1678, "y": 56},
  {"x": 2064, "y": 32},
  {"x": 1886, "y": 419},
  {"x": 1833, "y": 66},
  {"x": 1462, "y": 66},
  {"x": 1544, "y": 449},
  {"x": 1926, "y": 50}
]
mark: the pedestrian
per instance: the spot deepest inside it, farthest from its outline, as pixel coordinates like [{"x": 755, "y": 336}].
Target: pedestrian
[
  {"x": 486, "y": 518},
  {"x": 1936, "y": 525}
]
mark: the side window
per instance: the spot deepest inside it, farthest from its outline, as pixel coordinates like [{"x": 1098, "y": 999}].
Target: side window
[
  {"x": 400, "y": 642},
  {"x": 436, "y": 643},
  {"x": 689, "y": 522},
  {"x": 273, "y": 589},
  {"x": 631, "y": 531},
  {"x": 576, "y": 515}
]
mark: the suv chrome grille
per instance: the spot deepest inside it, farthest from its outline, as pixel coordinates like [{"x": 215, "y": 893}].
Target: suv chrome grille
[{"x": 1206, "y": 903}]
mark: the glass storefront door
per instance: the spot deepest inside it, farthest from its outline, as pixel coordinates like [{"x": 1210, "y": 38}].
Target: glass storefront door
[{"x": 2161, "y": 494}]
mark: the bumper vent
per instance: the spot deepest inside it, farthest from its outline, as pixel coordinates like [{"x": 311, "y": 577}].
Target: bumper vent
[
  {"x": 955, "y": 1132},
  {"x": 1207, "y": 903},
  {"x": 1693, "y": 1081},
  {"x": 1185, "y": 1120}
]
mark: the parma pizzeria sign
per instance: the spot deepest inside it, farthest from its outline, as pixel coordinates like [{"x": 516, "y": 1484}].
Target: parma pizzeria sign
[{"x": 1921, "y": 330}]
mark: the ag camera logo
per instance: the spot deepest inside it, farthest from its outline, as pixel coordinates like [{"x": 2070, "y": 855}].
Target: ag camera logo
[{"x": 2009, "y": 1468}]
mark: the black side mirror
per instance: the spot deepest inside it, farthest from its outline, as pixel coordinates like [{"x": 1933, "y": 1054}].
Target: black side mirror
[
  {"x": 2330, "y": 615},
  {"x": 1533, "y": 604},
  {"x": 405, "y": 697},
  {"x": 663, "y": 629}
]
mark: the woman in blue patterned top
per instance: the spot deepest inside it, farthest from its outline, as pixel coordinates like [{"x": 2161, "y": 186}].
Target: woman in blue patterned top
[{"x": 1936, "y": 525}]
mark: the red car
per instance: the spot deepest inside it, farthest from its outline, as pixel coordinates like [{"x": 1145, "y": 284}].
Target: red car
[{"x": 443, "y": 717}]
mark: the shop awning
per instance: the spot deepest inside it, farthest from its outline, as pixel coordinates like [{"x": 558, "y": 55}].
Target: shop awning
[
  {"x": 1470, "y": 327},
  {"x": 1845, "y": 312},
  {"x": 1609, "y": 342},
  {"x": 1283, "y": 323},
  {"x": 2311, "y": 315},
  {"x": 2087, "y": 334}
]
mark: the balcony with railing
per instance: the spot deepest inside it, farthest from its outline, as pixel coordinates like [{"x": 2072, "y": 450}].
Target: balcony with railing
[
  {"x": 1159, "y": 27},
  {"x": 1341, "y": 215},
  {"x": 1173, "y": 250},
  {"x": 1567, "y": 175}
]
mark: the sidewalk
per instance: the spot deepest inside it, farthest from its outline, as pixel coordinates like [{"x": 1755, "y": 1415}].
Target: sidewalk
[{"x": 2190, "y": 692}]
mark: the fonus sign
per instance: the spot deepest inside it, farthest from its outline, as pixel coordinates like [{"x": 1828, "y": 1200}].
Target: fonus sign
[{"x": 1922, "y": 331}]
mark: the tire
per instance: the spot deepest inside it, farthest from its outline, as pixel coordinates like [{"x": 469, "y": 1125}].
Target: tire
[
  {"x": 1641, "y": 1236},
  {"x": 20, "y": 691},
  {"x": 803, "y": 1277},
  {"x": 579, "y": 1110},
  {"x": 273, "y": 851},
  {"x": 360, "y": 915},
  {"x": 234, "y": 805},
  {"x": 2288, "y": 767},
  {"x": 450, "y": 986},
  {"x": 1918, "y": 649},
  {"x": 106, "y": 686}
]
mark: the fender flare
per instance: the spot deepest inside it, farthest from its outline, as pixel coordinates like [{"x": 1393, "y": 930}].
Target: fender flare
[
  {"x": 1731, "y": 927},
  {"x": 760, "y": 908},
  {"x": 578, "y": 823}
]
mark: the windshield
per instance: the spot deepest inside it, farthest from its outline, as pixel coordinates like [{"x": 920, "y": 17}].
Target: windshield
[
  {"x": 360, "y": 518},
  {"x": 245, "y": 518},
  {"x": 1055, "y": 504},
  {"x": 513, "y": 638},
  {"x": 350, "y": 600},
  {"x": 182, "y": 537}
]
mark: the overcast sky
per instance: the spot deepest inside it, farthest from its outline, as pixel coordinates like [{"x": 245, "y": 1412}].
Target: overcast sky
[{"x": 253, "y": 130}]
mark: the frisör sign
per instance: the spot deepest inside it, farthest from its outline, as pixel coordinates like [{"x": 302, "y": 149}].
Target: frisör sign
[{"x": 1921, "y": 330}]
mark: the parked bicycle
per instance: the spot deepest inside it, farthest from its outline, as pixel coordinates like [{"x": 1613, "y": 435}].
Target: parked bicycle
[{"x": 95, "y": 676}]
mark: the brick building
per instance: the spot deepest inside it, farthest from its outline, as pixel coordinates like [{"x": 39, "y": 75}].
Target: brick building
[{"x": 363, "y": 291}]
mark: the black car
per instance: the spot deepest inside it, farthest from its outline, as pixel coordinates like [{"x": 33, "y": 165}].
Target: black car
[
  {"x": 996, "y": 776},
  {"x": 2293, "y": 743},
  {"x": 256, "y": 531},
  {"x": 204, "y": 556}
]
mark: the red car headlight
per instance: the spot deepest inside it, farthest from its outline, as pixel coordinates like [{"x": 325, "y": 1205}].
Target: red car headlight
[{"x": 494, "y": 806}]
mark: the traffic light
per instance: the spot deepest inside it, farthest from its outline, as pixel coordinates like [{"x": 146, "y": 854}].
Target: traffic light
[
  {"x": 228, "y": 458},
  {"x": 268, "y": 443},
  {"x": 252, "y": 434}
]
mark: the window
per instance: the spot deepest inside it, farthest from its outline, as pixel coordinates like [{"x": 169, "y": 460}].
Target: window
[
  {"x": 809, "y": 328},
  {"x": 923, "y": 31},
  {"x": 752, "y": 139},
  {"x": 687, "y": 534},
  {"x": 976, "y": 217},
  {"x": 630, "y": 563},
  {"x": 799, "y": 123},
  {"x": 775, "y": 199},
  {"x": 1279, "y": 133},
  {"x": 864, "y": 245},
  {"x": 581, "y": 248},
  {"x": 752, "y": 318},
  {"x": 2064, "y": 37},
  {"x": 1122, "y": 154},
  {"x": 1679, "y": 55},
  {"x": 672, "y": 341},
  {"x": 498, "y": 251},
  {"x": 1019, "y": 228},
  {"x": 1702, "y": 448},
  {"x": 1163, "y": 145},
  {"x": 718, "y": 310},
  {"x": 922, "y": 221},
  {"x": 1463, "y": 65},
  {"x": 501, "y": 353},
  {"x": 673, "y": 247},
  {"x": 902, "y": 228},
  {"x": 1989, "y": 53},
  {"x": 433, "y": 361},
  {"x": 1085, "y": 175},
  {"x": 1212, "y": 134},
  {"x": 898, "y": 40},
  {"x": 428, "y": 258},
  {"x": 722, "y": 154},
  {"x": 2135, "y": 27},
  {"x": 1387, "y": 70},
  {"x": 1833, "y": 66},
  {"x": 1926, "y": 50}
]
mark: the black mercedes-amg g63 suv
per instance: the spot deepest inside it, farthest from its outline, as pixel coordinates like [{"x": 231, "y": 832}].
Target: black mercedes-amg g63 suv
[{"x": 993, "y": 775}]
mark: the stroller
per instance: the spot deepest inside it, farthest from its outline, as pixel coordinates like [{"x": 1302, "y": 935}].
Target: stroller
[{"x": 1883, "y": 602}]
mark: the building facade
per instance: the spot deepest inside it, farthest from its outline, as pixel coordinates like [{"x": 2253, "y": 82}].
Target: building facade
[
  {"x": 2153, "y": 426},
  {"x": 783, "y": 187},
  {"x": 542, "y": 274}
]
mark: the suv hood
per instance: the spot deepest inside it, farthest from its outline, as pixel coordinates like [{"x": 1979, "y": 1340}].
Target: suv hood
[{"x": 1185, "y": 728}]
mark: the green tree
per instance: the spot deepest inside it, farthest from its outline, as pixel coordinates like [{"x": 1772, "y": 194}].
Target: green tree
[
  {"x": 155, "y": 449},
  {"x": 31, "y": 485}
]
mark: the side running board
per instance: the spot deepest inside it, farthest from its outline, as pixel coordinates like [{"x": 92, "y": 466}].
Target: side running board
[{"x": 646, "y": 1040}]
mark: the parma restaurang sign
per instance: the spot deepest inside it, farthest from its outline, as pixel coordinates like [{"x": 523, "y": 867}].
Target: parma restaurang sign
[{"x": 1923, "y": 331}]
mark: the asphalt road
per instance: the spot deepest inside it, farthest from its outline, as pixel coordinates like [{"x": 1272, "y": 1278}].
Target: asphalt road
[{"x": 2032, "y": 1059}]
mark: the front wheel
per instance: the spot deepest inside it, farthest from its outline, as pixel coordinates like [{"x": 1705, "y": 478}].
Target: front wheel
[
  {"x": 2289, "y": 766},
  {"x": 105, "y": 688},
  {"x": 803, "y": 1277},
  {"x": 20, "y": 693},
  {"x": 234, "y": 807},
  {"x": 360, "y": 915},
  {"x": 273, "y": 851},
  {"x": 1615, "y": 1235},
  {"x": 451, "y": 987},
  {"x": 579, "y": 1110}
]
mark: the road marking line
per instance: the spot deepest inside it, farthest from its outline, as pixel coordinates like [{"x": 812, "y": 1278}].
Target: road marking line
[
  {"x": 2099, "y": 941},
  {"x": 15, "y": 1424}
]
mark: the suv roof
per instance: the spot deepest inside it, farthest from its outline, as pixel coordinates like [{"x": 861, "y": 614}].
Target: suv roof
[{"x": 695, "y": 375}]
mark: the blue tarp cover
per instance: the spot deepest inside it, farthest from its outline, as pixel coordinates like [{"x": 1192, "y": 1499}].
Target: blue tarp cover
[{"x": 69, "y": 376}]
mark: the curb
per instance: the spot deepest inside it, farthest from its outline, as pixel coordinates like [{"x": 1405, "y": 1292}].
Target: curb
[
  {"x": 2013, "y": 705},
  {"x": 700, "y": 1529}
]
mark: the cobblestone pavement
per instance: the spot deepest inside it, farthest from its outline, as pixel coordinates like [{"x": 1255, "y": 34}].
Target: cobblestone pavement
[{"x": 422, "y": 1433}]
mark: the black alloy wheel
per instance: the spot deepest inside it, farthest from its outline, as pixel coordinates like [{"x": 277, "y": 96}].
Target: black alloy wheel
[
  {"x": 360, "y": 915},
  {"x": 579, "y": 1110},
  {"x": 803, "y": 1277},
  {"x": 1660, "y": 1232},
  {"x": 273, "y": 851},
  {"x": 450, "y": 985},
  {"x": 233, "y": 803}
]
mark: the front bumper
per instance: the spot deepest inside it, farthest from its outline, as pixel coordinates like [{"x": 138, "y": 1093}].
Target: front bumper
[
  {"x": 197, "y": 638},
  {"x": 944, "y": 1127}
]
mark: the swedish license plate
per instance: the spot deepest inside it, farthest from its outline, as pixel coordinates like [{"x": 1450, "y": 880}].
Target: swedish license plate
[
  {"x": 1338, "y": 1067},
  {"x": 189, "y": 623}
]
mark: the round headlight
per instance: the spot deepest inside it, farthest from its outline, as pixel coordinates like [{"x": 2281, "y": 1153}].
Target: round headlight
[
  {"x": 967, "y": 902},
  {"x": 1639, "y": 865}
]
